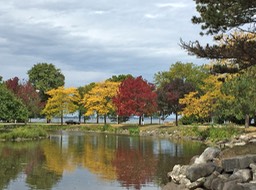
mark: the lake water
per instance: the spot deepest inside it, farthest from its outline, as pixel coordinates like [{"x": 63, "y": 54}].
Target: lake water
[{"x": 75, "y": 160}]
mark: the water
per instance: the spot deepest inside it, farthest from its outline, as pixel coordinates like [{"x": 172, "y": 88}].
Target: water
[{"x": 74, "y": 160}]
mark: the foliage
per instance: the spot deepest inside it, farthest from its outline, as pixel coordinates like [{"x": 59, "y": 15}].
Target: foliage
[
  {"x": 44, "y": 77},
  {"x": 135, "y": 96},
  {"x": 62, "y": 101},
  {"x": 82, "y": 91},
  {"x": 11, "y": 108},
  {"x": 242, "y": 88},
  {"x": 223, "y": 15},
  {"x": 170, "y": 94},
  {"x": 203, "y": 106},
  {"x": 134, "y": 131},
  {"x": 99, "y": 99},
  {"x": 119, "y": 78},
  {"x": 27, "y": 94},
  {"x": 187, "y": 72}
]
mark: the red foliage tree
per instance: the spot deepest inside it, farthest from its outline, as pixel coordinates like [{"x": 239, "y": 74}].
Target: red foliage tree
[
  {"x": 135, "y": 97},
  {"x": 28, "y": 95}
]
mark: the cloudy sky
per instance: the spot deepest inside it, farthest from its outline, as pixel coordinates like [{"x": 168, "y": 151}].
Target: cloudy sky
[{"x": 91, "y": 40}]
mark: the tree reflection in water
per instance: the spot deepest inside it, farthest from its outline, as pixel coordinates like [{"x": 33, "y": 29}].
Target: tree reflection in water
[{"x": 129, "y": 162}]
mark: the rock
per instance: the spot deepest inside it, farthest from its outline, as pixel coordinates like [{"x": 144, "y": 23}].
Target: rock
[
  {"x": 248, "y": 186},
  {"x": 173, "y": 186},
  {"x": 232, "y": 185},
  {"x": 217, "y": 183},
  {"x": 196, "y": 171},
  {"x": 178, "y": 173},
  {"x": 208, "y": 155},
  {"x": 210, "y": 178},
  {"x": 196, "y": 184},
  {"x": 239, "y": 162},
  {"x": 245, "y": 175}
]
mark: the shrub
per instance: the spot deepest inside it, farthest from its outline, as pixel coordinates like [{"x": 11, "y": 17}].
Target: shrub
[{"x": 134, "y": 131}]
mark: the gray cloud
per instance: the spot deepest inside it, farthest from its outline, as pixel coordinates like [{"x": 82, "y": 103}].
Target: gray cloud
[{"x": 91, "y": 41}]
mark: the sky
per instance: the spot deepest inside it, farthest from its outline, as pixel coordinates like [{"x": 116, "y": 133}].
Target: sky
[{"x": 92, "y": 40}]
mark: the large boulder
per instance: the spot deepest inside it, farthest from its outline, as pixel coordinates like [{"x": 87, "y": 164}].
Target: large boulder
[
  {"x": 196, "y": 171},
  {"x": 208, "y": 155}
]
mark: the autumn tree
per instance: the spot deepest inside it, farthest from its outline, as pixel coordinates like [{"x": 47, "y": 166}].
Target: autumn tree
[
  {"x": 119, "y": 78},
  {"x": 44, "y": 77},
  {"x": 99, "y": 99},
  {"x": 224, "y": 17},
  {"x": 203, "y": 105},
  {"x": 169, "y": 95},
  {"x": 62, "y": 101},
  {"x": 28, "y": 95},
  {"x": 135, "y": 97}
]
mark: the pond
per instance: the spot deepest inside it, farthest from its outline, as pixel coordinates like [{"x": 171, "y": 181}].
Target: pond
[{"x": 75, "y": 160}]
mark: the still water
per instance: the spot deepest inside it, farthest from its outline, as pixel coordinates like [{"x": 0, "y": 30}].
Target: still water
[{"x": 75, "y": 160}]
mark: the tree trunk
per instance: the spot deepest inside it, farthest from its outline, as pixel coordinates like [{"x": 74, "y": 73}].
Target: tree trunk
[
  {"x": 97, "y": 118},
  {"x": 247, "y": 120},
  {"x": 151, "y": 120},
  {"x": 118, "y": 122},
  {"x": 140, "y": 120},
  {"x": 61, "y": 118},
  {"x": 79, "y": 116},
  {"x": 105, "y": 119},
  {"x": 176, "y": 119}
]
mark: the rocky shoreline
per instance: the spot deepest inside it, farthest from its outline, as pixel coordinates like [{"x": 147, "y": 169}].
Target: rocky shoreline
[{"x": 230, "y": 165}]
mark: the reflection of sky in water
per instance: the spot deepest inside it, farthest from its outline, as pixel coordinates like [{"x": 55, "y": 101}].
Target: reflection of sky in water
[{"x": 165, "y": 146}]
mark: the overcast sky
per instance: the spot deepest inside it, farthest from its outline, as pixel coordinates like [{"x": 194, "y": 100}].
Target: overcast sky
[{"x": 91, "y": 40}]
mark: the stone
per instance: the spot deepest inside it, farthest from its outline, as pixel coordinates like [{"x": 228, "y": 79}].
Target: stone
[
  {"x": 196, "y": 171},
  {"x": 245, "y": 175},
  {"x": 209, "y": 179},
  {"x": 239, "y": 162},
  {"x": 217, "y": 184},
  {"x": 196, "y": 184},
  {"x": 178, "y": 172},
  {"x": 208, "y": 155},
  {"x": 248, "y": 186},
  {"x": 232, "y": 185}
]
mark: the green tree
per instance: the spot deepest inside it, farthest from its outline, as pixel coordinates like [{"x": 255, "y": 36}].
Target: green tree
[
  {"x": 44, "y": 77},
  {"x": 62, "y": 101},
  {"x": 185, "y": 71},
  {"x": 82, "y": 90},
  {"x": 119, "y": 78},
  {"x": 11, "y": 108},
  {"x": 242, "y": 88},
  {"x": 226, "y": 17}
]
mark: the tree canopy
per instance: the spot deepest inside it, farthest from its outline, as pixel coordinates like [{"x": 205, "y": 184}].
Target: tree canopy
[
  {"x": 44, "y": 77},
  {"x": 62, "y": 101},
  {"x": 135, "y": 96},
  {"x": 233, "y": 25}
]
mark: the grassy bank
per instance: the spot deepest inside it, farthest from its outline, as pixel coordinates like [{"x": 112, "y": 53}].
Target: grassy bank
[{"x": 211, "y": 133}]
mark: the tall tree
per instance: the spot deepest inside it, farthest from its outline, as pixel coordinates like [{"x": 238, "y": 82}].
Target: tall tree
[
  {"x": 220, "y": 17},
  {"x": 62, "y": 101},
  {"x": 135, "y": 97},
  {"x": 99, "y": 99},
  {"x": 119, "y": 78},
  {"x": 44, "y": 77},
  {"x": 170, "y": 94}
]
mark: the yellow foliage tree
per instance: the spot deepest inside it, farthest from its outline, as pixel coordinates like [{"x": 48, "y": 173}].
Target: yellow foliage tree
[
  {"x": 203, "y": 106},
  {"x": 62, "y": 101},
  {"x": 99, "y": 99}
]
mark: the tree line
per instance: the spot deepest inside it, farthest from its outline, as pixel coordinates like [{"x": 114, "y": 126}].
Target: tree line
[{"x": 186, "y": 90}]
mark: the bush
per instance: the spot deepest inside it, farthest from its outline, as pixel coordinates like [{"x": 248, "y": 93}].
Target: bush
[{"x": 134, "y": 131}]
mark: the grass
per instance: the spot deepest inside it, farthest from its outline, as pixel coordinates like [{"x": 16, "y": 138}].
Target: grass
[{"x": 23, "y": 133}]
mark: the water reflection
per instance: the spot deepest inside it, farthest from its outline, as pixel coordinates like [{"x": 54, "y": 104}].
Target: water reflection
[{"x": 114, "y": 162}]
